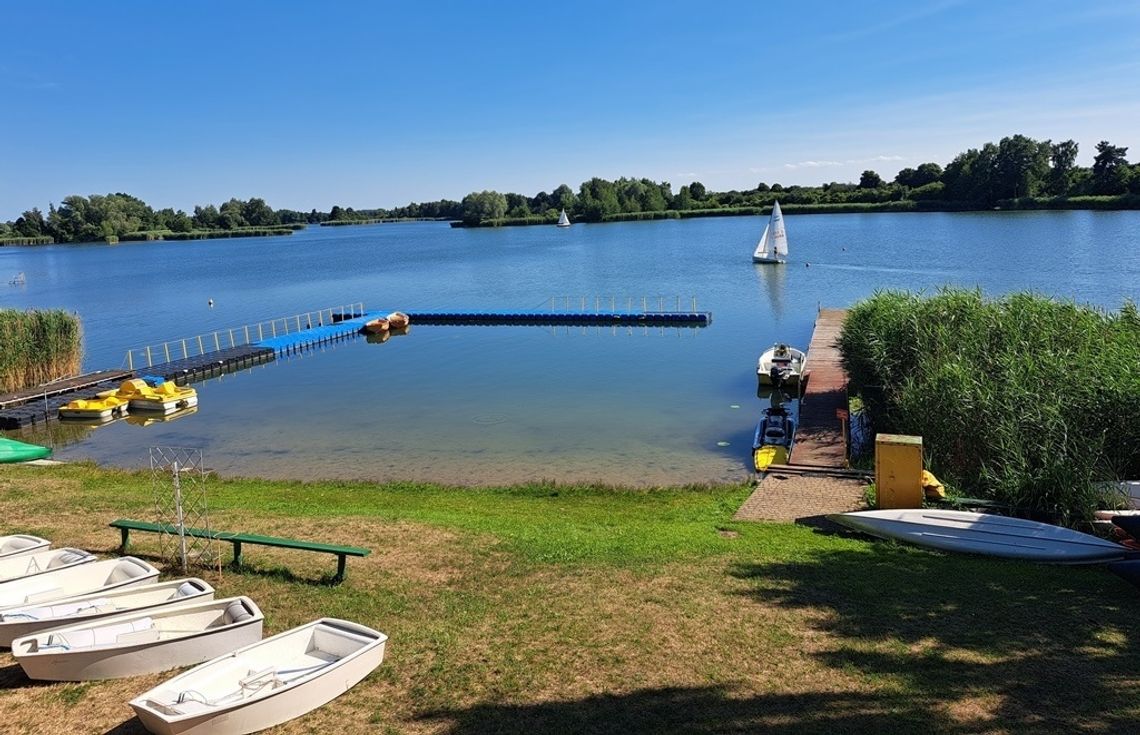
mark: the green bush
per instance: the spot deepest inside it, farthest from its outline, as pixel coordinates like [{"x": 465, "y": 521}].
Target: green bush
[{"x": 1024, "y": 399}]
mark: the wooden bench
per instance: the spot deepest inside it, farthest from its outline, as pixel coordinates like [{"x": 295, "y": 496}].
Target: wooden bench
[{"x": 125, "y": 527}]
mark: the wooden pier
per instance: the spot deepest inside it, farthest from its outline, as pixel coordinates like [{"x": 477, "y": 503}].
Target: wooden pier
[
  {"x": 816, "y": 481},
  {"x": 820, "y": 440}
]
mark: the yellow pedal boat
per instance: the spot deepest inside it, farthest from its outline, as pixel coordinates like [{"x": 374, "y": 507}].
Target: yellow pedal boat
[
  {"x": 167, "y": 397},
  {"x": 103, "y": 407}
]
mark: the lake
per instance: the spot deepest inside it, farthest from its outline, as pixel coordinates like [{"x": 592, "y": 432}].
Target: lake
[{"x": 491, "y": 405}]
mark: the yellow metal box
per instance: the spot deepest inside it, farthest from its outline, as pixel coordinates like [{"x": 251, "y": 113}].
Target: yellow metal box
[{"x": 898, "y": 471}]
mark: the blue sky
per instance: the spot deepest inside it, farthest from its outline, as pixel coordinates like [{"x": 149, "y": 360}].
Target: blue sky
[{"x": 378, "y": 104}]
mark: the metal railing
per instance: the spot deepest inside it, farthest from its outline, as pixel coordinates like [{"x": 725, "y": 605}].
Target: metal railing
[
  {"x": 230, "y": 337},
  {"x": 646, "y": 304}
]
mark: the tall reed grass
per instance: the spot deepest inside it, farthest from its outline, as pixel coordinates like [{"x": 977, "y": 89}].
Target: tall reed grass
[
  {"x": 37, "y": 347},
  {"x": 1024, "y": 399}
]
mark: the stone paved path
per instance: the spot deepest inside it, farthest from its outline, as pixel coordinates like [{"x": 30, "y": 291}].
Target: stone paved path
[{"x": 792, "y": 497}]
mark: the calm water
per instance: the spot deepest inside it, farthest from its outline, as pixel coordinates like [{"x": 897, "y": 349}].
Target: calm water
[{"x": 506, "y": 404}]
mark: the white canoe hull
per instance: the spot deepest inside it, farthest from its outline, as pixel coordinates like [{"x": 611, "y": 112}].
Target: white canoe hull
[
  {"x": 127, "y": 597},
  {"x": 21, "y": 545},
  {"x": 138, "y": 643},
  {"x": 15, "y": 571},
  {"x": 981, "y": 533},
  {"x": 341, "y": 652}
]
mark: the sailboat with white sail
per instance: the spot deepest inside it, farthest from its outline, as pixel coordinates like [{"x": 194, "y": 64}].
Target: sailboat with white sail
[
  {"x": 773, "y": 245},
  {"x": 563, "y": 220}
]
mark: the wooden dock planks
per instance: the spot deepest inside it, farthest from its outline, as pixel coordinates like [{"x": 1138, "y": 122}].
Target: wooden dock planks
[{"x": 819, "y": 437}]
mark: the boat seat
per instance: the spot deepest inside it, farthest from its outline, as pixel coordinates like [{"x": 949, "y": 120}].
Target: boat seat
[
  {"x": 186, "y": 589},
  {"x": 64, "y": 558},
  {"x": 237, "y": 612},
  {"x": 126, "y": 570}
]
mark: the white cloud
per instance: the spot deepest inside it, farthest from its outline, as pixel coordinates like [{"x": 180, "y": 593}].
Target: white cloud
[{"x": 812, "y": 164}]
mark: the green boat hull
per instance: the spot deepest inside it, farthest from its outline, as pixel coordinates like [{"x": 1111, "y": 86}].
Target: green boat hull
[{"x": 14, "y": 451}]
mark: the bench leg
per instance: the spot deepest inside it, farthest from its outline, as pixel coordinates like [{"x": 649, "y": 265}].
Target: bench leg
[
  {"x": 237, "y": 554},
  {"x": 124, "y": 540},
  {"x": 340, "y": 562}
]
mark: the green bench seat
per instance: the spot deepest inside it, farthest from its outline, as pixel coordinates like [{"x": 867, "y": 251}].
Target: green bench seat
[{"x": 125, "y": 527}]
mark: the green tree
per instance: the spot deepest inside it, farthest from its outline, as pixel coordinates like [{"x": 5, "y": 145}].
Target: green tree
[
  {"x": 1110, "y": 169},
  {"x": 870, "y": 180},
  {"x": 697, "y": 189},
  {"x": 596, "y": 199},
  {"x": 1020, "y": 167},
  {"x": 684, "y": 199},
  {"x": 31, "y": 223},
  {"x": 230, "y": 215},
  {"x": 205, "y": 218},
  {"x": 1063, "y": 160},
  {"x": 259, "y": 214},
  {"x": 483, "y": 205},
  {"x": 563, "y": 198}
]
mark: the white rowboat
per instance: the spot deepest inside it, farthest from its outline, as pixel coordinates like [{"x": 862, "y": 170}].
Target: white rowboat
[
  {"x": 21, "y": 544},
  {"x": 981, "y": 533},
  {"x": 14, "y": 569},
  {"x": 79, "y": 579},
  {"x": 264, "y": 684},
  {"x": 140, "y": 642},
  {"x": 18, "y": 622}
]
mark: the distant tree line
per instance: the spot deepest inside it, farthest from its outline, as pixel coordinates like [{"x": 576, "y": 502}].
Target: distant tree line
[
  {"x": 1017, "y": 168},
  {"x": 112, "y": 216}
]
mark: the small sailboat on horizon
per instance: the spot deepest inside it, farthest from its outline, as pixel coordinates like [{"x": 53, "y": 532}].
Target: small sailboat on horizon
[
  {"x": 563, "y": 220},
  {"x": 773, "y": 245}
]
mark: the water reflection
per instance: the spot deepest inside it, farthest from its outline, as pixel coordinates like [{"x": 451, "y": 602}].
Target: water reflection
[
  {"x": 772, "y": 279},
  {"x": 149, "y": 419}
]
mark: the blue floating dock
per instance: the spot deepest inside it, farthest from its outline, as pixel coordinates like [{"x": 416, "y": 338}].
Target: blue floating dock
[
  {"x": 567, "y": 318},
  {"x": 287, "y": 344}
]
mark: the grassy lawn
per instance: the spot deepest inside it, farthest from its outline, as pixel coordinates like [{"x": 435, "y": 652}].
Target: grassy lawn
[{"x": 573, "y": 609}]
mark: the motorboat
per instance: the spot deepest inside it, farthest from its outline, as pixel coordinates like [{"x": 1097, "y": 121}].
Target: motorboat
[
  {"x": 81, "y": 578},
  {"x": 398, "y": 320},
  {"x": 264, "y": 684},
  {"x": 109, "y": 599},
  {"x": 102, "y": 408},
  {"x": 21, "y": 544},
  {"x": 15, "y": 569},
  {"x": 165, "y": 397},
  {"x": 140, "y": 642},
  {"x": 780, "y": 365},
  {"x": 773, "y": 438}
]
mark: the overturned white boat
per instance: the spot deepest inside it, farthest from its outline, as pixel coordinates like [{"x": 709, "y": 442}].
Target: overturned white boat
[
  {"x": 140, "y": 642},
  {"x": 982, "y": 533},
  {"x": 264, "y": 684},
  {"x": 113, "y": 598},
  {"x": 21, "y": 544},
  {"x": 22, "y": 567}
]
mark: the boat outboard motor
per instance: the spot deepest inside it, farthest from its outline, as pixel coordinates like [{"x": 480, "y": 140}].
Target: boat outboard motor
[{"x": 777, "y": 374}]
